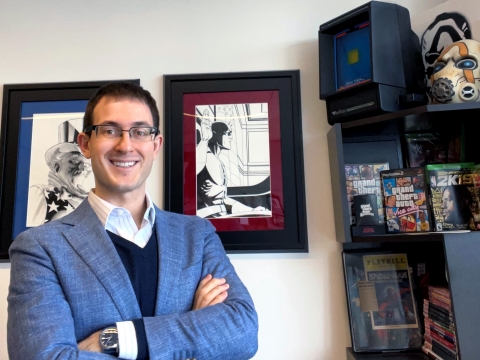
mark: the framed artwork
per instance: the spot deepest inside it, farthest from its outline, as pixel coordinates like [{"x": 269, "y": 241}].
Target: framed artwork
[
  {"x": 234, "y": 155},
  {"x": 381, "y": 302},
  {"x": 43, "y": 174}
]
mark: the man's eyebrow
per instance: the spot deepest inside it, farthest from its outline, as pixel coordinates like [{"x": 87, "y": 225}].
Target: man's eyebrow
[{"x": 135, "y": 123}]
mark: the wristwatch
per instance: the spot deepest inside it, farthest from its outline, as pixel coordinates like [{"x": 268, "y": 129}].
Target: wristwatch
[{"x": 109, "y": 340}]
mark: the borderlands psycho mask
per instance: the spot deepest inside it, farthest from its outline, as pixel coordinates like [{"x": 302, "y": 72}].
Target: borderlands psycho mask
[{"x": 456, "y": 73}]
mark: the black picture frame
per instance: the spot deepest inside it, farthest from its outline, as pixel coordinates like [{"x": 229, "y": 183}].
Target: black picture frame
[
  {"x": 293, "y": 236},
  {"x": 14, "y": 96},
  {"x": 382, "y": 279}
]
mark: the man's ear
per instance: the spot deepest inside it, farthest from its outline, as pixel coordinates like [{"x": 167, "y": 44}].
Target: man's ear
[
  {"x": 56, "y": 167},
  {"x": 83, "y": 142},
  {"x": 157, "y": 144}
]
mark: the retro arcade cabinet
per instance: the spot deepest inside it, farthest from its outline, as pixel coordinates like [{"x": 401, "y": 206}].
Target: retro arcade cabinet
[{"x": 370, "y": 63}]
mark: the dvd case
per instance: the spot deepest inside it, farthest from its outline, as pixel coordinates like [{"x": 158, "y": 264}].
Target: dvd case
[
  {"x": 405, "y": 200},
  {"x": 363, "y": 179},
  {"x": 452, "y": 194}
]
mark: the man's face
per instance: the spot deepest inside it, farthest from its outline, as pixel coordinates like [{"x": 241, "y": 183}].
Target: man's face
[
  {"x": 73, "y": 170},
  {"x": 120, "y": 166},
  {"x": 421, "y": 216},
  {"x": 390, "y": 213},
  {"x": 367, "y": 172},
  {"x": 448, "y": 206},
  {"x": 227, "y": 140}
]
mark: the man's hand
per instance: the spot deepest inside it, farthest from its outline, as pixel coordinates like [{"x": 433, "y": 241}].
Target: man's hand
[
  {"x": 91, "y": 343},
  {"x": 210, "y": 291}
]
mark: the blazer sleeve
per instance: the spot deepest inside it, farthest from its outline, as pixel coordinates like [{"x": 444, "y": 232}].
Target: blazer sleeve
[
  {"x": 227, "y": 331},
  {"x": 40, "y": 323}
]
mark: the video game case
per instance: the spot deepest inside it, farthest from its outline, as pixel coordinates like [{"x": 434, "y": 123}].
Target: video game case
[
  {"x": 439, "y": 319},
  {"x": 450, "y": 327},
  {"x": 429, "y": 305},
  {"x": 440, "y": 329},
  {"x": 430, "y": 353},
  {"x": 437, "y": 314},
  {"x": 443, "y": 305},
  {"x": 363, "y": 179},
  {"x": 451, "y": 192},
  {"x": 432, "y": 148},
  {"x": 441, "y": 299},
  {"x": 440, "y": 290},
  {"x": 366, "y": 212},
  {"x": 405, "y": 200},
  {"x": 433, "y": 337},
  {"x": 445, "y": 340},
  {"x": 445, "y": 352}
]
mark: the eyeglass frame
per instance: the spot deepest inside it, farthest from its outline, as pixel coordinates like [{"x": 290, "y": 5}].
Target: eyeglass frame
[{"x": 154, "y": 129}]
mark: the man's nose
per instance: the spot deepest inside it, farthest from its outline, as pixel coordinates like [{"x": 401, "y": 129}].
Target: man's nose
[{"x": 125, "y": 142}]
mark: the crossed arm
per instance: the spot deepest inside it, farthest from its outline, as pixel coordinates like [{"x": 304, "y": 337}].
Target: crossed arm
[
  {"x": 50, "y": 310},
  {"x": 210, "y": 291}
]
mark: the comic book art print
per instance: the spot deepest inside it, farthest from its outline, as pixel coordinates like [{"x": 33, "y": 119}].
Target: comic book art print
[
  {"x": 230, "y": 177},
  {"x": 233, "y": 161},
  {"x": 55, "y": 177},
  {"x": 234, "y": 157}
]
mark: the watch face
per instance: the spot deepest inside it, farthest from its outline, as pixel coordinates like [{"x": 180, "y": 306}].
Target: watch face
[{"x": 109, "y": 338}]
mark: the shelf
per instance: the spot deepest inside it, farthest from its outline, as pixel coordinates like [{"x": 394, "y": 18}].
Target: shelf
[
  {"x": 425, "y": 109},
  {"x": 428, "y": 236},
  {"x": 417, "y": 355}
]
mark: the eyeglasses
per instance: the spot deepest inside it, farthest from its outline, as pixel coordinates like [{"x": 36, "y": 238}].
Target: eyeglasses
[{"x": 138, "y": 133}]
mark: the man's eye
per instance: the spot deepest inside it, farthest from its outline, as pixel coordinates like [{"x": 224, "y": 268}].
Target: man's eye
[
  {"x": 438, "y": 67},
  {"x": 141, "y": 132},
  {"x": 467, "y": 64}
]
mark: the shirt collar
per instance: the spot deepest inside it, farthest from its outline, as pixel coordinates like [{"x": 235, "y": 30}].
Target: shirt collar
[{"x": 103, "y": 208}]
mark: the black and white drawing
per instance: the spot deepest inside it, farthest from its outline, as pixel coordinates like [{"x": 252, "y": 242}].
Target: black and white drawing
[
  {"x": 233, "y": 161},
  {"x": 60, "y": 176}
]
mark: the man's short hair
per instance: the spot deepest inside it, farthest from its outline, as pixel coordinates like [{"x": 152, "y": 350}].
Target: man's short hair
[{"x": 120, "y": 91}]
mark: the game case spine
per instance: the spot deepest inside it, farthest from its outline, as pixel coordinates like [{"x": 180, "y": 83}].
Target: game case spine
[
  {"x": 429, "y": 305},
  {"x": 447, "y": 341},
  {"x": 442, "y": 350},
  {"x": 430, "y": 353},
  {"x": 440, "y": 330},
  {"x": 442, "y": 291},
  {"x": 441, "y": 304},
  {"x": 441, "y": 340},
  {"x": 440, "y": 322}
]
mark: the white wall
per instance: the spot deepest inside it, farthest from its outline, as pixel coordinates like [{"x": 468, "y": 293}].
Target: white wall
[{"x": 299, "y": 297}]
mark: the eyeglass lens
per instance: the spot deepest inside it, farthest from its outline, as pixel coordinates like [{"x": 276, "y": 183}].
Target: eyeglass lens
[{"x": 140, "y": 133}]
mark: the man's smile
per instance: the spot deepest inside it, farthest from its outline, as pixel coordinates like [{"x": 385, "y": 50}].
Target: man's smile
[{"x": 124, "y": 164}]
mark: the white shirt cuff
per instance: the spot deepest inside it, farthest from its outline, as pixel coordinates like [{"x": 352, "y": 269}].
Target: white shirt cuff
[{"x": 127, "y": 340}]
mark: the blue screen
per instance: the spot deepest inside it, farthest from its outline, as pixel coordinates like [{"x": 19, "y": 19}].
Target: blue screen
[{"x": 352, "y": 52}]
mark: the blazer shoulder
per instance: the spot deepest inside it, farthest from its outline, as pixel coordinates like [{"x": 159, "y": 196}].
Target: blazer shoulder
[{"x": 186, "y": 221}]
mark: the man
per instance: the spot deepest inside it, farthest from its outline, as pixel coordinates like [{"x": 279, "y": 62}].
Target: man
[
  {"x": 422, "y": 223},
  {"x": 68, "y": 171},
  {"x": 456, "y": 211},
  {"x": 118, "y": 275}
]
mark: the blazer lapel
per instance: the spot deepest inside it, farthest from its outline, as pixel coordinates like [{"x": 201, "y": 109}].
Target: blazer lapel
[
  {"x": 169, "y": 264},
  {"x": 92, "y": 243}
]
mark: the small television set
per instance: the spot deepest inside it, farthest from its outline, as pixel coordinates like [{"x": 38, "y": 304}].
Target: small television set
[
  {"x": 370, "y": 62},
  {"x": 352, "y": 56}
]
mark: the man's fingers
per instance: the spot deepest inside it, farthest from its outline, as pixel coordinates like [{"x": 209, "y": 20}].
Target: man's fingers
[
  {"x": 212, "y": 295},
  {"x": 219, "y": 299},
  {"x": 208, "y": 290}
]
